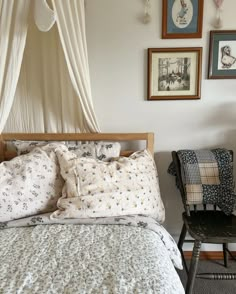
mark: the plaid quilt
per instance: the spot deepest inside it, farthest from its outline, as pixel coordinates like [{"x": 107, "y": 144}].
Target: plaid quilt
[{"x": 207, "y": 177}]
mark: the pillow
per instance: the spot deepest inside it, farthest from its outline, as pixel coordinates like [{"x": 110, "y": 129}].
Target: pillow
[
  {"x": 30, "y": 184},
  {"x": 23, "y": 147},
  {"x": 99, "y": 150},
  {"x": 123, "y": 186}
]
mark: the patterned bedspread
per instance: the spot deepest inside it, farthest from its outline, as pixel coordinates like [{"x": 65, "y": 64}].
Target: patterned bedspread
[{"x": 87, "y": 258}]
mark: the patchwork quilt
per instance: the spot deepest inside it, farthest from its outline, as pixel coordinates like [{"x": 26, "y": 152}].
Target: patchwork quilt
[{"x": 208, "y": 177}]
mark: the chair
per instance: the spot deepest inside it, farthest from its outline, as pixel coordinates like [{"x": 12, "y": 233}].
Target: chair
[{"x": 205, "y": 224}]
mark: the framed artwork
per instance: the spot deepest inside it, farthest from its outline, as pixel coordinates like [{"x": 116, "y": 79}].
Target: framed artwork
[
  {"x": 222, "y": 55},
  {"x": 174, "y": 73},
  {"x": 182, "y": 19}
]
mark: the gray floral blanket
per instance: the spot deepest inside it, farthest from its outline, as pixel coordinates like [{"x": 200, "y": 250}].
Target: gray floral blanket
[{"x": 131, "y": 254}]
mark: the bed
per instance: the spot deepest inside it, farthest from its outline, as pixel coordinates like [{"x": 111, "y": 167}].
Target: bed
[{"x": 80, "y": 215}]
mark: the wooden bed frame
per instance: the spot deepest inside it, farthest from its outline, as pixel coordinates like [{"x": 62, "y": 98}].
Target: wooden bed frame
[{"x": 116, "y": 137}]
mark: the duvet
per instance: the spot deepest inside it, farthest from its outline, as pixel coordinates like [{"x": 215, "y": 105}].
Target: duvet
[{"x": 116, "y": 255}]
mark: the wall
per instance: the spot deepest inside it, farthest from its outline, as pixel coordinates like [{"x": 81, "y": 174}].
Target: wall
[{"x": 117, "y": 47}]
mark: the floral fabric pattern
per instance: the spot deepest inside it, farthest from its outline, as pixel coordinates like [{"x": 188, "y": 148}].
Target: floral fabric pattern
[
  {"x": 85, "y": 259},
  {"x": 94, "y": 149},
  {"x": 30, "y": 184},
  {"x": 123, "y": 186},
  {"x": 127, "y": 220}
]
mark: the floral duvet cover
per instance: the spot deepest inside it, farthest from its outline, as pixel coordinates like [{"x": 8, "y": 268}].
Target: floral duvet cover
[{"x": 130, "y": 254}]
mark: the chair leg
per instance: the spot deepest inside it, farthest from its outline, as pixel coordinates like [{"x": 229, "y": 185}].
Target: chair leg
[
  {"x": 193, "y": 266},
  {"x": 180, "y": 245},
  {"x": 225, "y": 247}
]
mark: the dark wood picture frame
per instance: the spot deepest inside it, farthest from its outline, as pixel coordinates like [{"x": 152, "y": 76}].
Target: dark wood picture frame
[
  {"x": 174, "y": 73},
  {"x": 222, "y": 55},
  {"x": 187, "y": 22}
]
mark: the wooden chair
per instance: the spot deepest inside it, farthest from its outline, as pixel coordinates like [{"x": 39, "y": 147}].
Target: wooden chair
[{"x": 204, "y": 225}]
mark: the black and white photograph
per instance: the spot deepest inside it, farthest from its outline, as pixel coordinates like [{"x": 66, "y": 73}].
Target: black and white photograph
[{"x": 174, "y": 73}]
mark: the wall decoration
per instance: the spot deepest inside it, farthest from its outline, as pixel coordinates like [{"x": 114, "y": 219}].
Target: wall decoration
[
  {"x": 218, "y": 21},
  {"x": 147, "y": 15},
  {"x": 182, "y": 19},
  {"x": 174, "y": 73},
  {"x": 222, "y": 55}
]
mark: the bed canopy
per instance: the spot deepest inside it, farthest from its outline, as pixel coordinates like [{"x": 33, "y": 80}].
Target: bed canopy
[{"x": 44, "y": 72}]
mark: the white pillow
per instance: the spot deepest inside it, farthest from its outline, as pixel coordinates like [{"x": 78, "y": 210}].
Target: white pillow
[
  {"x": 23, "y": 147},
  {"x": 98, "y": 150},
  {"x": 30, "y": 184},
  {"x": 123, "y": 186}
]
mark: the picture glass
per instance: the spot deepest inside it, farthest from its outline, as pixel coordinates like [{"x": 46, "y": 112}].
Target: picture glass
[
  {"x": 226, "y": 55},
  {"x": 182, "y": 16},
  {"x": 174, "y": 74},
  {"x": 222, "y": 55}
]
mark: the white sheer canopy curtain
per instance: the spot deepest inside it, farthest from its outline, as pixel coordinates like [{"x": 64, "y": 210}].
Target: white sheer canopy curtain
[
  {"x": 13, "y": 31},
  {"x": 70, "y": 18},
  {"x": 53, "y": 93}
]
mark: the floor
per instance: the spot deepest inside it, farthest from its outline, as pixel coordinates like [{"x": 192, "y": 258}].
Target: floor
[{"x": 212, "y": 286}]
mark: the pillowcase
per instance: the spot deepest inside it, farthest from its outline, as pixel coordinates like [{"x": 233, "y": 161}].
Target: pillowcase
[
  {"x": 123, "y": 186},
  {"x": 30, "y": 184},
  {"x": 100, "y": 150},
  {"x": 23, "y": 147}
]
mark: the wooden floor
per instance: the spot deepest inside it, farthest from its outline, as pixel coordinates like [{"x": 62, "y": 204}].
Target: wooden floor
[{"x": 208, "y": 255}]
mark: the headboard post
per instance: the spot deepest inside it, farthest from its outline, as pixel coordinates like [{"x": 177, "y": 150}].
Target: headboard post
[
  {"x": 2, "y": 148},
  {"x": 150, "y": 142}
]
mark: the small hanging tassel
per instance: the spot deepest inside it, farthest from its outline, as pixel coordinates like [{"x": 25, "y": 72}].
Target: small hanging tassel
[
  {"x": 147, "y": 16},
  {"x": 218, "y": 21}
]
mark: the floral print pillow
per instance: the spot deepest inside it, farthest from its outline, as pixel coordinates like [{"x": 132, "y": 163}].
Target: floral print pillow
[
  {"x": 123, "y": 186},
  {"x": 30, "y": 184},
  {"x": 100, "y": 150},
  {"x": 24, "y": 147}
]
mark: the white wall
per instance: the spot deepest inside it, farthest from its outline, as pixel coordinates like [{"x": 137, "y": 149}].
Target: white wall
[{"x": 117, "y": 47}]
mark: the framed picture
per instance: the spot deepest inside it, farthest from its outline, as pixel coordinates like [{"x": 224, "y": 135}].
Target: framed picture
[
  {"x": 174, "y": 73},
  {"x": 182, "y": 19},
  {"x": 222, "y": 55}
]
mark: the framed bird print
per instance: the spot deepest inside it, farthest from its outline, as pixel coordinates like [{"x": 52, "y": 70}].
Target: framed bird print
[
  {"x": 182, "y": 19},
  {"x": 222, "y": 55}
]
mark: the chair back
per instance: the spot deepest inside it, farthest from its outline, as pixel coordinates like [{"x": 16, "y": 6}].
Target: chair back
[{"x": 182, "y": 187}]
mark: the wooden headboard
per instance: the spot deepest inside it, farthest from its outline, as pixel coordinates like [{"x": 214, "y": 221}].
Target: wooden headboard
[{"x": 115, "y": 137}]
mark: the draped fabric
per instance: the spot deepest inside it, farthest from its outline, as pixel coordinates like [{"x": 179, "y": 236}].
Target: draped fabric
[
  {"x": 45, "y": 100},
  {"x": 71, "y": 27},
  {"x": 44, "y": 16},
  {"x": 13, "y": 31},
  {"x": 48, "y": 97}
]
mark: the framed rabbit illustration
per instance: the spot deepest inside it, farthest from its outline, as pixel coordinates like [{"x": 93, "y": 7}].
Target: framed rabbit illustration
[
  {"x": 182, "y": 19},
  {"x": 222, "y": 55}
]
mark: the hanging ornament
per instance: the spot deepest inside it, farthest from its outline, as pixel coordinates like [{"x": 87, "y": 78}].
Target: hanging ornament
[
  {"x": 218, "y": 21},
  {"x": 147, "y": 15}
]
